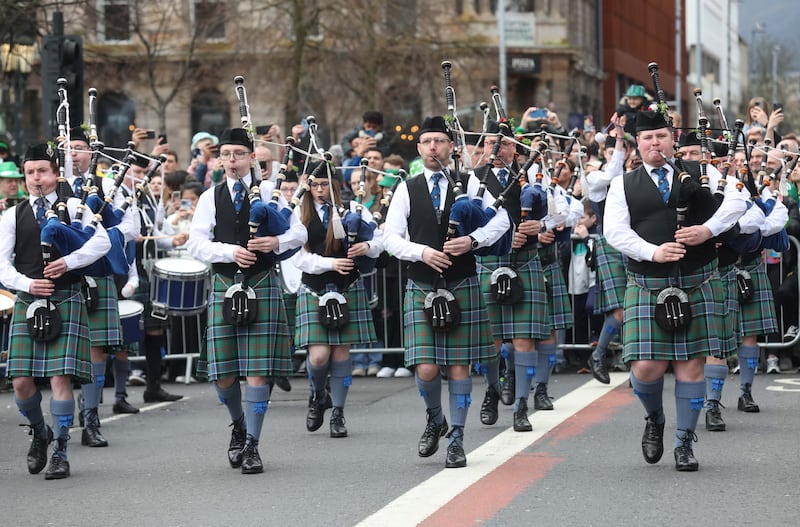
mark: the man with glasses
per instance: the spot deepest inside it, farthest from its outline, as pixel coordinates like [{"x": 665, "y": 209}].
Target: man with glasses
[{"x": 219, "y": 235}]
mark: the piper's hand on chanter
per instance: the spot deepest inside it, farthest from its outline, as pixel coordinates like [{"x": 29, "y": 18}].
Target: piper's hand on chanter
[
  {"x": 530, "y": 227},
  {"x": 669, "y": 252},
  {"x": 55, "y": 269},
  {"x": 547, "y": 237},
  {"x": 264, "y": 244},
  {"x": 357, "y": 249},
  {"x": 458, "y": 246},
  {"x": 694, "y": 235},
  {"x": 42, "y": 287},
  {"x": 243, "y": 257},
  {"x": 438, "y": 260},
  {"x": 520, "y": 239},
  {"x": 343, "y": 265}
]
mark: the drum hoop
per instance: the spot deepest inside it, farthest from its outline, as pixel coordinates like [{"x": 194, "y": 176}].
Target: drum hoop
[
  {"x": 164, "y": 266},
  {"x": 5, "y": 298},
  {"x": 138, "y": 309}
]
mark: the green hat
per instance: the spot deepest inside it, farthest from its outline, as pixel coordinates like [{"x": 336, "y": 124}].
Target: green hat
[
  {"x": 3, "y": 145},
  {"x": 388, "y": 180},
  {"x": 635, "y": 90},
  {"x": 8, "y": 169}
]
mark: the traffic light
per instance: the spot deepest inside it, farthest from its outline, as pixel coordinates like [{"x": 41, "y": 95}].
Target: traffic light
[
  {"x": 62, "y": 57},
  {"x": 72, "y": 70}
]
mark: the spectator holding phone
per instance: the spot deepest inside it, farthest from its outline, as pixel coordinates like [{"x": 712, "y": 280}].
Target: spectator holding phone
[
  {"x": 757, "y": 116},
  {"x": 180, "y": 220},
  {"x": 204, "y": 158},
  {"x": 535, "y": 118}
]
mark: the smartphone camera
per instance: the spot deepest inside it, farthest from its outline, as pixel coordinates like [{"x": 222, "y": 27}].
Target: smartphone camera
[
  {"x": 151, "y": 134},
  {"x": 186, "y": 204}
]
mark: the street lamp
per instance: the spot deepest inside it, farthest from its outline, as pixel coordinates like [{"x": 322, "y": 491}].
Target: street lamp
[{"x": 16, "y": 60}]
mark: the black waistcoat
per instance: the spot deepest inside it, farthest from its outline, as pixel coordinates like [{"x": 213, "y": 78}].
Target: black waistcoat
[
  {"x": 233, "y": 228},
  {"x": 316, "y": 243},
  {"x": 656, "y": 222},
  {"x": 512, "y": 204},
  {"x": 421, "y": 220},
  {"x": 28, "y": 258}
]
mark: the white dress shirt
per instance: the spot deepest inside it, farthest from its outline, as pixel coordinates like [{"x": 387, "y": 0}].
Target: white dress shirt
[{"x": 597, "y": 181}]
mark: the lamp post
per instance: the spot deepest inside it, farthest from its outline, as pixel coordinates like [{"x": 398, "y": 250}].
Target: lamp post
[{"x": 16, "y": 59}]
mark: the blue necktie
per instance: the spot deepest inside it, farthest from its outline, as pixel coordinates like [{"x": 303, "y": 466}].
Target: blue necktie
[
  {"x": 502, "y": 177},
  {"x": 41, "y": 208},
  {"x": 77, "y": 185},
  {"x": 663, "y": 184},
  {"x": 436, "y": 193},
  {"x": 326, "y": 215},
  {"x": 238, "y": 198}
]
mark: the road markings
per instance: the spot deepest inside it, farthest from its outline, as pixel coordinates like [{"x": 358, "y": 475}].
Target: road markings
[{"x": 150, "y": 407}]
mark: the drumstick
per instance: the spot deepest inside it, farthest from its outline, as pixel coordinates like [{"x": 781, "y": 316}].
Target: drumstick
[{"x": 161, "y": 237}]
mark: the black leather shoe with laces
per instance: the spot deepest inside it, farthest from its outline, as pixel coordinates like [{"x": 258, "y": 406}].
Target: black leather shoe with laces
[
  {"x": 91, "y": 436},
  {"x": 746, "y": 403},
  {"x": 337, "y": 423},
  {"x": 521, "y": 422},
  {"x": 714, "y": 422},
  {"x": 122, "y": 406},
  {"x": 251, "y": 460},
  {"x": 456, "y": 458},
  {"x": 653, "y": 440},
  {"x": 317, "y": 404},
  {"x": 429, "y": 441},
  {"x": 489, "y": 406},
  {"x": 160, "y": 396},
  {"x": 59, "y": 466},
  {"x": 541, "y": 401},
  {"x": 37, "y": 453},
  {"x": 684, "y": 456},
  {"x": 508, "y": 391},
  {"x": 238, "y": 439},
  {"x": 599, "y": 370}
]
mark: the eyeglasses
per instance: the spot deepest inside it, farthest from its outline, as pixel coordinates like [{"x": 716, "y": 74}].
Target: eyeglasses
[
  {"x": 238, "y": 155},
  {"x": 320, "y": 184},
  {"x": 434, "y": 140},
  {"x": 506, "y": 144}
]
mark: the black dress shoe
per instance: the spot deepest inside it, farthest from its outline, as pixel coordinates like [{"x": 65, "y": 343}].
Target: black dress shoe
[
  {"x": 684, "y": 456},
  {"x": 746, "y": 403},
  {"x": 653, "y": 440},
  {"x": 714, "y": 422},
  {"x": 456, "y": 458},
  {"x": 489, "y": 406},
  {"x": 236, "y": 446},
  {"x": 541, "y": 401},
  {"x": 337, "y": 423},
  {"x": 122, "y": 406},
  {"x": 317, "y": 404},
  {"x": 91, "y": 435},
  {"x": 283, "y": 383},
  {"x": 58, "y": 469},
  {"x": 599, "y": 370},
  {"x": 160, "y": 396},
  {"x": 508, "y": 391},
  {"x": 429, "y": 441},
  {"x": 37, "y": 453},
  {"x": 251, "y": 460},
  {"x": 521, "y": 422}
]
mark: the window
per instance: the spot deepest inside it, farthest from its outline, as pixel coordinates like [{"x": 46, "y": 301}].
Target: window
[
  {"x": 209, "y": 19},
  {"x": 116, "y": 112},
  {"x": 210, "y": 113},
  {"x": 114, "y": 20}
]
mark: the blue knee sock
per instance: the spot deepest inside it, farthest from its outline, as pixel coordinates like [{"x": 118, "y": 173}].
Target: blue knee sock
[
  {"x": 91, "y": 391},
  {"x": 524, "y": 371},
  {"x": 341, "y": 379},
  {"x": 460, "y": 400},
  {"x": 610, "y": 328},
  {"x": 62, "y": 412},
  {"x": 431, "y": 392},
  {"x": 32, "y": 409},
  {"x": 231, "y": 397},
  {"x": 688, "y": 403},
  {"x": 651, "y": 396},
  {"x": 715, "y": 379},
  {"x": 748, "y": 362},
  {"x": 120, "y": 378},
  {"x": 318, "y": 376},
  {"x": 491, "y": 372},
  {"x": 255, "y": 408},
  {"x": 545, "y": 359}
]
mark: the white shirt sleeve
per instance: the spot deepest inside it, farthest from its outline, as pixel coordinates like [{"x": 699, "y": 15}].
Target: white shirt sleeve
[
  {"x": 395, "y": 233},
  {"x": 201, "y": 233},
  {"x": 733, "y": 205},
  {"x": 776, "y": 220},
  {"x": 496, "y": 227}
]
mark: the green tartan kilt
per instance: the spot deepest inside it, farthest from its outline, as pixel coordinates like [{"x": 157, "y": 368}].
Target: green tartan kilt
[
  {"x": 757, "y": 317},
  {"x": 729, "y": 337},
  {"x": 527, "y": 319},
  {"x": 260, "y": 349},
  {"x": 361, "y": 328},
  {"x": 68, "y": 354},
  {"x": 468, "y": 343},
  {"x": 611, "y": 278},
  {"x": 558, "y": 297},
  {"x": 104, "y": 321},
  {"x": 643, "y": 338},
  {"x": 290, "y": 301}
]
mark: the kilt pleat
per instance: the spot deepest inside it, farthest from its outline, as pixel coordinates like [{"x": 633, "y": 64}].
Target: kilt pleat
[
  {"x": 527, "y": 319},
  {"x": 757, "y": 317},
  {"x": 68, "y": 354},
  {"x": 558, "y": 297},
  {"x": 259, "y": 349},
  {"x": 104, "y": 321},
  {"x": 643, "y": 338},
  {"x": 308, "y": 330},
  {"x": 729, "y": 336},
  {"x": 611, "y": 278},
  {"x": 468, "y": 343}
]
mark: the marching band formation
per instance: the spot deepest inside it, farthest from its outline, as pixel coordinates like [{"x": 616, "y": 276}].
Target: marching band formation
[{"x": 680, "y": 274}]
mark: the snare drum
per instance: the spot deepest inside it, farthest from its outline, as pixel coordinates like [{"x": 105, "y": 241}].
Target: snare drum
[
  {"x": 7, "y": 301},
  {"x": 131, "y": 318},
  {"x": 180, "y": 287}
]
